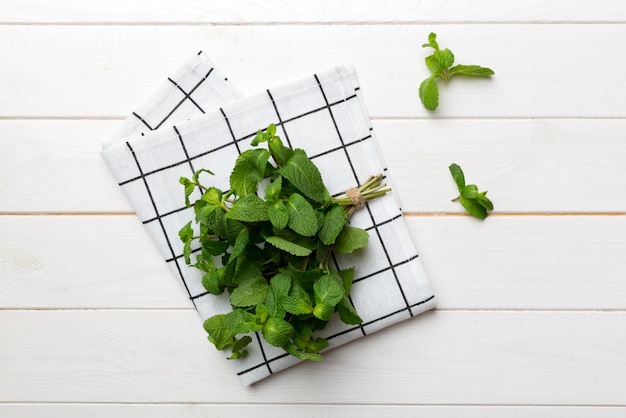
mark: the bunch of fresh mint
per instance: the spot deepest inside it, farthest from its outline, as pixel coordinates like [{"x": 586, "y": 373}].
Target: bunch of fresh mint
[
  {"x": 272, "y": 254},
  {"x": 440, "y": 65}
]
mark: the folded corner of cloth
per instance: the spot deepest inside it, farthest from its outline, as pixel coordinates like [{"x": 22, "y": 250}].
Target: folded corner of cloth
[{"x": 197, "y": 119}]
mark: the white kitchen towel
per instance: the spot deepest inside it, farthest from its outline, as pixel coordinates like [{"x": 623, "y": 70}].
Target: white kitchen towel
[{"x": 323, "y": 114}]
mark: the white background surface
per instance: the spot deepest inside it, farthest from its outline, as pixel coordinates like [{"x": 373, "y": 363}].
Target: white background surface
[{"x": 531, "y": 317}]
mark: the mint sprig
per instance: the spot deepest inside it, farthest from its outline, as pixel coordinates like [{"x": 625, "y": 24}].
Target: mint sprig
[
  {"x": 476, "y": 203},
  {"x": 440, "y": 65},
  {"x": 272, "y": 255}
]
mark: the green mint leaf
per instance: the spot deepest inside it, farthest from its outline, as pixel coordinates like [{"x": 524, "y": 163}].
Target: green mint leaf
[
  {"x": 298, "y": 302},
  {"x": 189, "y": 188},
  {"x": 432, "y": 41},
  {"x": 187, "y": 252},
  {"x": 302, "y": 216},
  {"x": 351, "y": 239},
  {"x": 196, "y": 175},
  {"x": 241, "y": 343},
  {"x": 213, "y": 196},
  {"x": 250, "y": 208},
  {"x": 484, "y": 201},
  {"x": 288, "y": 246},
  {"x": 280, "y": 153},
  {"x": 440, "y": 65},
  {"x": 302, "y": 355},
  {"x": 272, "y": 191},
  {"x": 470, "y": 192},
  {"x": 249, "y": 170},
  {"x": 186, "y": 232},
  {"x": 323, "y": 311},
  {"x": 262, "y": 313},
  {"x": 279, "y": 290},
  {"x": 429, "y": 93},
  {"x": 214, "y": 247},
  {"x": 278, "y": 214},
  {"x": 243, "y": 238},
  {"x": 219, "y": 333},
  {"x": 317, "y": 345},
  {"x": 347, "y": 313},
  {"x": 239, "y": 321},
  {"x": 271, "y": 130},
  {"x": 333, "y": 222},
  {"x": 211, "y": 282},
  {"x": 277, "y": 332},
  {"x": 328, "y": 290},
  {"x": 346, "y": 275},
  {"x": 474, "y": 208},
  {"x": 458, "y": 176},
  {"x": 471, "y": 71},
  {"x": 250, "y": 292},
  {"x": 304, "y": 175},
  {"x": 444, "y": 57},
  {"x": 433, "y": 65}
]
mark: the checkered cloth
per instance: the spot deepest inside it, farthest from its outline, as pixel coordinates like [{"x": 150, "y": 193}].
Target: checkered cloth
[{"x": 197, "y": 119}]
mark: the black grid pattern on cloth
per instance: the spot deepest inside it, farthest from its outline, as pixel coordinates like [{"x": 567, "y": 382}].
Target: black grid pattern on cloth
[{"x": 342, "y": 148}]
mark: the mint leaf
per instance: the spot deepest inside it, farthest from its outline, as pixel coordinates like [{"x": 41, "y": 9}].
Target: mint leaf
[
  {"x": 470, "y": 192},
  {"x": 240, "y": 321},
  {"x": 484, "y": 201},
  {"x": 302, "y": 355},
  {"x": 433, "y": 65},
  {"x": 219, "y": 334},
  {"x": 444, "y": 57},
  {"x": 476, "y": 203},
  {"x": 288, "y": 246},
  {"x": 347, "y": 313},
  {"x": 333, "y": 222},
  {"x": 432, "y": 41},
  {"x": 302, "y": 216},
  {"x": 186, "y": 232},
  {"x": 474, "y": 208},
  {"x": 280, "y": 153},
  {"x": 277, "y": 331},
  {"x": 196, "y": 175},
  {"x": 323, "y": 311},
  {"x": 278, "y": 214},
  {"x": 250, "y": 208},
  {"x": 211, "y": 282},
  {"x": 351, "y": 239},
  {"x": 304, "y": 175},
  {"x": 272, "y": 191},
  {"x": 249, "y": 171},
  {"x": 471, "y": 71},
  {"x": 279, "y": 291},
  {"x": 458, "y": 176},
  {"x": 240, "y": 244},
  {"x": 250, "y": 292},
  {"x": 327, "y": 290},
  {"x": 429, "y": 93},
  {"x": 298, "y": 302},
  {"x": 346, "y": 276},
  {"x": 440, "y": 65}
]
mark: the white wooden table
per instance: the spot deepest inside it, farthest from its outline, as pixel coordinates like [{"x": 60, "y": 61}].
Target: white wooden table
[{"x": 531, "y": 318}]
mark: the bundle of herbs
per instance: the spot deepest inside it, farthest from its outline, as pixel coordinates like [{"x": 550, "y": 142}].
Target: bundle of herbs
[{"x": 273, "y": 254}]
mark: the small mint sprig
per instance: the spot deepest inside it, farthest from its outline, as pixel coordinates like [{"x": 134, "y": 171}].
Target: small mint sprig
[
  {"x": 440, "y": 65},
  {"x": 476, "y": 203}
]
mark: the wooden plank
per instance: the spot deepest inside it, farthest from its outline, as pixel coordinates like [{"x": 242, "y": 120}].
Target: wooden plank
[
  {"x": 95, "y": 71},
  {"x": 508, "y": 358},
  {"x": 83, "y": 262},
  {"x": 502, "y": 263},
  {"x": 242, "y": 12},
  {"x": 301, "y": 411},
  {"x": 527, "y": 165}
]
